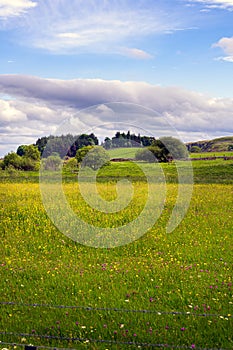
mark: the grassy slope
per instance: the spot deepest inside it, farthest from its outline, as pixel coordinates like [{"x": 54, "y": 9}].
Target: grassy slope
[{"x": 216, "y": 145}]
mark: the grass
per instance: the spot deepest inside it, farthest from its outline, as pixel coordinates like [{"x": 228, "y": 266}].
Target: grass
[
  {"x": 208, "y": 171},
  {"x": 188, "y": 271},
  {"x": 130, "y": 153},
  {"x": 211, "y": 154},
  {"x": 123, "y": 152}
]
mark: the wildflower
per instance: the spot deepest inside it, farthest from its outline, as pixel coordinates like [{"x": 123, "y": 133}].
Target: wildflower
[
  {"x": 193, "y": 346},
  {"x": 183, "y": 329}
]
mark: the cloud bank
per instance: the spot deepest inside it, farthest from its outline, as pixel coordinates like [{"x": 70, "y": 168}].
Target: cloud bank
[{"x": 32, "y": 107}]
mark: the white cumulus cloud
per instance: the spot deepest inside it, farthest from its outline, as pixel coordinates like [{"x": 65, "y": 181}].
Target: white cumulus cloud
[{"x": 226, "y": 44}]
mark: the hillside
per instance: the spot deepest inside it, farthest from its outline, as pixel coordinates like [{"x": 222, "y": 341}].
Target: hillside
[{"x": 222, "y": 144}]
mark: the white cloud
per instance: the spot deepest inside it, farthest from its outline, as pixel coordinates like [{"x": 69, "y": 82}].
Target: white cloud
[
  {"x": 85, "y": 26},
  {"x": 41, "y": 105},
  {"x": 226, "y": 44},
  {"x": 9, "y": 113},
  {"x": 222, "y": 4},
  {"x": 11, "y": 8},
  {"x": 227, "y": 58},
  {"x": 136, "y": 53}
]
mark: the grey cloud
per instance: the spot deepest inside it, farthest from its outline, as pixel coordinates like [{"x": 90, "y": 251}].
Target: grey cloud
[{"x": 41, "y": 105}]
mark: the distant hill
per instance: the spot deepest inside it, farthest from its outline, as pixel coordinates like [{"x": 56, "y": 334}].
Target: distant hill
[{"x": 221, "y": 144}]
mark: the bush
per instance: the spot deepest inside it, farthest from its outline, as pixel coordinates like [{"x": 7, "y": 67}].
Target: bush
[
  {"x": 12, "y": 160},
  {"x": 93, "y": 157},
  {"x": 195, "y": 149},
  {"x": 71, "y": 165},
  {"x": 52, "y": 163}
]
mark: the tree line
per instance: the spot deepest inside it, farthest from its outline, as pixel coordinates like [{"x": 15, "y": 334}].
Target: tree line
[{"x": 69, "y": 151}]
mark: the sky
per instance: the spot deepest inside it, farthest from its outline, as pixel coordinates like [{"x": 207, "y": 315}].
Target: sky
[{"x": 166, "y": 59}]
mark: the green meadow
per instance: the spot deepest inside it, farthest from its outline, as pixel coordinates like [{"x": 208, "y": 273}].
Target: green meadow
[{"x": 161, "y": 290}]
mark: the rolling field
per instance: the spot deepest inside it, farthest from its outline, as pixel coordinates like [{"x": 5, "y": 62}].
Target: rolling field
[{"x": 167, "y": 289}]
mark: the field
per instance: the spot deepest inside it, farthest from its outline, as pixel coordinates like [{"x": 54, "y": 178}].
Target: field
[
  {"x": 130, "y": 153},
  {"x": 163, "y": 289}
]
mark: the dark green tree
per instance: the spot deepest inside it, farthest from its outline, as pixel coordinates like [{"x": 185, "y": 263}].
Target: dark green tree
[
  {"x": 195, "y": 149},
  {"x": 175, "y": 148},
  {"x": 153, "y": 154}
]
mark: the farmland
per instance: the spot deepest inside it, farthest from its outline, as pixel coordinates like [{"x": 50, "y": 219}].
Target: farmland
[{"x": 182, "y": 280}]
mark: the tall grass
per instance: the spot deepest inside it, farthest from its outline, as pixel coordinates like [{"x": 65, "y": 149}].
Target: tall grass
[{"x": 188, "y": 271}]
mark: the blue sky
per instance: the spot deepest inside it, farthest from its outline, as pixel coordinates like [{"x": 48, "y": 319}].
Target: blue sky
[{"x": 174, "y": 56}]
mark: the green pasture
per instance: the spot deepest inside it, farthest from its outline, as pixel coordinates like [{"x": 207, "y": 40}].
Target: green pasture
[
  {"x": 211, "y": 154},
  {"x": 182, "y": 279},
  {"x": 208, "y": 171},
  {"x": 123, "y": 152},
  {"x": 130, "y": 153}
]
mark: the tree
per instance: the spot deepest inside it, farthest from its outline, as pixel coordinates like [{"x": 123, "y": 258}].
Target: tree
[
  {"x": 82, "y": 152},
  {"x": 175, "y": 148},
  {"x": 29, "y": 151},
  {"x": 92, "y": 157},
  {"x": 21, "y": 150},
  {"x": 52, "y": 162},
  {"x": 70, "y": 165},
  {"x": 152, "y": 154},
  {"x": 195, "y": 149},
  {"x": 107, "y": 143},
  {"x": 12, "y": 159}
]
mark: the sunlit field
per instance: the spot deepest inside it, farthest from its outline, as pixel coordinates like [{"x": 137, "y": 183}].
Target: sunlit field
[{"x": 167, "y": 289}]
